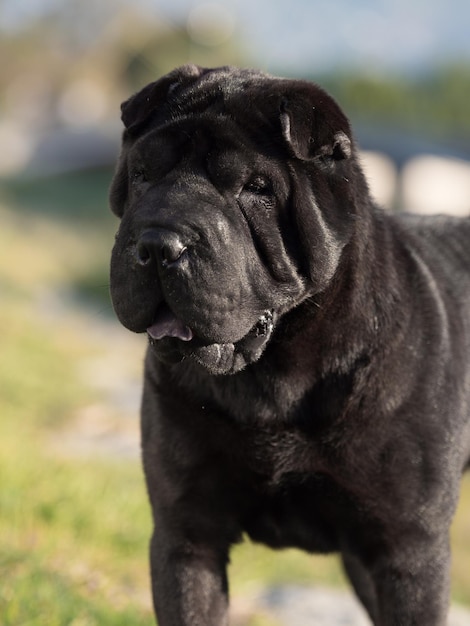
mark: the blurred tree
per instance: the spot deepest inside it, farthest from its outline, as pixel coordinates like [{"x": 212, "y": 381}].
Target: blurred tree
[
  {"x": 435, "y": 103},
  {"x": 116, "y": 47}
]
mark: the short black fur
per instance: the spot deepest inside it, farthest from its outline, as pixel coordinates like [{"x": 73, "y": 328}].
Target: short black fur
[{"x": 308, "y": 377}]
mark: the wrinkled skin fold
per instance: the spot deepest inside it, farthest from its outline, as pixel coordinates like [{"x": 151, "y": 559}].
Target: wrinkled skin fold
[{"x": 307, "y": 380}]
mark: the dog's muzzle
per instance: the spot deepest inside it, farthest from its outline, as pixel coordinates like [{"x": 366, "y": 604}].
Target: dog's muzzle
[{"x": 174, "y": 341}]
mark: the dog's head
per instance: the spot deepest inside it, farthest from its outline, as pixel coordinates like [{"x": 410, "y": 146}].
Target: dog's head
[{"x": 235, "y": 205}]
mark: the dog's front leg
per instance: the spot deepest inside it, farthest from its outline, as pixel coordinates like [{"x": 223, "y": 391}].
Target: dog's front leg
[
  {"x": 189, "y": 582},
  {"x": 413, "y": 588}
]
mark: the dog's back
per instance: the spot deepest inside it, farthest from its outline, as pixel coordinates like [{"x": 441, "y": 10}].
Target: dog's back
[{"x": 438, "y": 250}]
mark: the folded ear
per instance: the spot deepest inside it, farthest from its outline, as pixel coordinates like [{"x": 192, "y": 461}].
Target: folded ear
[
  {"x": 317, "y": 132},
  {"x": 314, "y": 126},
  {"x": 144, "y": 103}
]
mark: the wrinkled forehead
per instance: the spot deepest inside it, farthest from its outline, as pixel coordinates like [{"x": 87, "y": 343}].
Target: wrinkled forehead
[
  {"x": 255, "y": 101},
  {"x": 187, "y": 90},
  {"x": 248, "y": 97},
  {"x": 224, "y": 85},
  {"x": 244, "y": 96},
  {"x": 208, "y": 134},
  {"x": 214, "y": 151},
  {"x": 219, "y": 150}
]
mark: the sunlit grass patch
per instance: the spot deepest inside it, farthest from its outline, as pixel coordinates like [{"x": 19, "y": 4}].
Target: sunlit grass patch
[
  {"x": 38, "y": 595},
  {"x": 73, "y": 538}
]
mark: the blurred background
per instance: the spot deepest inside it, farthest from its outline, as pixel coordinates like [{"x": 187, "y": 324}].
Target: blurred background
[{"x": 74, "y": 519}]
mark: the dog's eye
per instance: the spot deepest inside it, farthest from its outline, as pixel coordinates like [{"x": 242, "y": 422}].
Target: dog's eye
[
  {"x": 138, "y": 176},
  {"x": 258, "y": 185}
]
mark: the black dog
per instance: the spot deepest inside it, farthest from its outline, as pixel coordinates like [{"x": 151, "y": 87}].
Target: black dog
[{"x": 308, "y": 375}]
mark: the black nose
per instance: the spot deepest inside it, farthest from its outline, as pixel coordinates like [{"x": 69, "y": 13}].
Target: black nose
[{"x": 161, "y": 247}]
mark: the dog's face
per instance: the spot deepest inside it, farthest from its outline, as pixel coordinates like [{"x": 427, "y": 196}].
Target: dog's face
[{"x": 232, "y": 190}]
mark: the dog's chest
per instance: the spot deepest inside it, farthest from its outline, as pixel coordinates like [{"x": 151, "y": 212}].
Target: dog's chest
[
  {"x": 303, "y": 510},
  {"x": 296, "y": 501}
]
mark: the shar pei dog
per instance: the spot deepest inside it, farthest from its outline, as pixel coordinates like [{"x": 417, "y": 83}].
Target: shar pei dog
[{"x": 307, "y": 379}]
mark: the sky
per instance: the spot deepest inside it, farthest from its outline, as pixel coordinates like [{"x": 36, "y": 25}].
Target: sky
[
  {"x": 401, "y": 35},
  {"x": 316, "y": 35}
]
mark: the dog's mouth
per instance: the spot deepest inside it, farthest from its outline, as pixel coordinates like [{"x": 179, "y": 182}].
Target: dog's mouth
[
  {"x": 174, "y": 341},
  {"x": 166, "y": 324}
]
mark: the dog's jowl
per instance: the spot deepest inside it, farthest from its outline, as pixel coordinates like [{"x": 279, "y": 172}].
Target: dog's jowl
[{"x": 307, "y": 379}]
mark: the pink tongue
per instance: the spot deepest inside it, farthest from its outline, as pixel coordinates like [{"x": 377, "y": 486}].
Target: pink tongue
[{"x": 167, "y": 324}]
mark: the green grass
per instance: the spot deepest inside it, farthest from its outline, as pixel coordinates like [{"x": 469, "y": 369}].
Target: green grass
[
  {"x": 74, "y": 530},
  {"x": 73, "y": 539}
]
